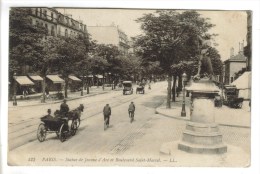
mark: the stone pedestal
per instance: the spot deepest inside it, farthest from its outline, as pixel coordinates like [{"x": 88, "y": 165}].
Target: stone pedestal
[{"x": 202, "y": 134}]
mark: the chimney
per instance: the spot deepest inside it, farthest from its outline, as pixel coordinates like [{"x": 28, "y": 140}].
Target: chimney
[
  {"x": 241, "y": 47},
  {"x": 232, "y": 52}
]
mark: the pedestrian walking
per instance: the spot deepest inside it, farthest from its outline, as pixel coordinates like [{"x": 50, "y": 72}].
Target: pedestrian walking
[
  {"x": 47, "y": 92},
  {"x": 249, "y": 105},
  {"x": 107, "y": 114}
]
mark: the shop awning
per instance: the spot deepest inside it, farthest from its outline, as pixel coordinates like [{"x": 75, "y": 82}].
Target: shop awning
[
  {"x": 55, "y": 78},
  {"x": 74, "y": 78},
  {"x": 23, "y": 80},
  {"x": 100, "y": 76},
  {"x": 36, "y": 77}
]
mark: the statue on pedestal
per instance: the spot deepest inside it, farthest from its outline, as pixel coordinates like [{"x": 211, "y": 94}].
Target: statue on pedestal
[{"x": 204, "y": 46}]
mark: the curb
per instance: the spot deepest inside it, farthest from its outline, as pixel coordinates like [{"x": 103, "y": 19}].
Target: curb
[
  {"x": 169, "y": 116},
  {"x": 187, "y": 119},
  {"x": 59, "y": 101}
]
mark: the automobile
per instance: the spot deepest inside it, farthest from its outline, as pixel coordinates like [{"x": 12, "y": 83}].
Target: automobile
[
  {"x": 128, "y": 87},
  {"x": 140, "y": 88},
  {"x": 231, "y": 97}
]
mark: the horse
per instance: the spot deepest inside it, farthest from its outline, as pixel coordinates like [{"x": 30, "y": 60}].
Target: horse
[{"x": 75, "y": 114}]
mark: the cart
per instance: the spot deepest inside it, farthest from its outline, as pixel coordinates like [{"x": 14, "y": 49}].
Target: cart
[
  {"x": 62, "y": 126},
  {"x": 231, "y": 97},
  {"x": 128, "y": 89},
  {"x": 140, "y": 88}
]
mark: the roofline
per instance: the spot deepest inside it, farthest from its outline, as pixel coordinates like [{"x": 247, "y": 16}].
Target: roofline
[{"x": 234, "y": 60}]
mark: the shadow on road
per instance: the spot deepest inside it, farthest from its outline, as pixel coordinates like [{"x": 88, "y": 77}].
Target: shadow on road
[{"x": 154, "y": 102}]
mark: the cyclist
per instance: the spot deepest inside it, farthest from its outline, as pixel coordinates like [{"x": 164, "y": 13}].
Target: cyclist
[
  {"x": 107, "y": 113},
  {"x": 131, "y": 110}
]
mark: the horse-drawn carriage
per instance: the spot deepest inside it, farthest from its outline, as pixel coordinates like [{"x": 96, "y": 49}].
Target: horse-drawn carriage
[
  {"x": 62, "y": 125},
  {"x": 140, "y": 88}
]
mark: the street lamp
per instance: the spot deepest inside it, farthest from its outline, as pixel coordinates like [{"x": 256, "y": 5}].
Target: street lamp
[
  {"x": 184, "y": 79},
  {"x": 14, "y": 102}
]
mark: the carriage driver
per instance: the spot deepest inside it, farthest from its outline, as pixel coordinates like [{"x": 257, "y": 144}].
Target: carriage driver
[{"x": 64, "y": 108}]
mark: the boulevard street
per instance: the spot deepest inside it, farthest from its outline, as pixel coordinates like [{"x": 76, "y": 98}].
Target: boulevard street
[{"x": 123, "y": 143}]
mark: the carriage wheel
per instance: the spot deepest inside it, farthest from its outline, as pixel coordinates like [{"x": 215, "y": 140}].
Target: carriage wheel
[
  {"x": 63, "y": 132},
  {"x": 74, "y": 127},
  {"x": 41, "y": 132}
]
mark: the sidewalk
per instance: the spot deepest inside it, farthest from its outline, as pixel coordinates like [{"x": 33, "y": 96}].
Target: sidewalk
[
  {"x": 223, "y": 116},
  {"x": 35, "y": 99}
]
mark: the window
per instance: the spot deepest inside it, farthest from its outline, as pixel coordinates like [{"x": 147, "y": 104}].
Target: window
[
  {"x": 51, "y": 16},
  {"x": 52, "y": 31},
  {"x": 40, "y": 12},
  {"x": 59, "y": 31},
  {"x": 232, "y": 79},
  {"x": 66, "y": 33},
  {"x": 45, "y": 13},
  {"x": 36, "y": 11},
  {"x": 46, "y": 26},
  {"x": 31, "y": 21}
]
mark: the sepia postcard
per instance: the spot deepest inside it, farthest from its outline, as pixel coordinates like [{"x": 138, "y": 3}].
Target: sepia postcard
[{"x": 129, "y": 87}]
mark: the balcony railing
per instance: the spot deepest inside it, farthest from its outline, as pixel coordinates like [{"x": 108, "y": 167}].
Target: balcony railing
[{"x": 56, "y": 20}]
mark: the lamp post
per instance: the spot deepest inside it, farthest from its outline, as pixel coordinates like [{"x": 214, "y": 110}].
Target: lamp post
[
  {"x": 14, "y": 102},
  {"x": 184, "y": 79}
]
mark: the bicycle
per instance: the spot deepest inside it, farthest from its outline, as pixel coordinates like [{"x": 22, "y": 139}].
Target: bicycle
[
  {"x": 131, "y": 115},
  {"x": 106, "y": 125}
]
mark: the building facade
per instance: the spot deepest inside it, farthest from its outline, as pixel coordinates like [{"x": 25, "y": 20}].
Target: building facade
[
  {"x": 109, "y": 35},
  {"x": 248, "y": 48},
  {"x": 56, "y": 23},
  {"x": 234, "y": 64}
]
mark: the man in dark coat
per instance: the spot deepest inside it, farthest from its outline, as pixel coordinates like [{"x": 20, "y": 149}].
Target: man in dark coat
[
  {"x": 131, "y": 109},
  {"x": 64, "y": 108},
  {"x": 107, "y": 113}
]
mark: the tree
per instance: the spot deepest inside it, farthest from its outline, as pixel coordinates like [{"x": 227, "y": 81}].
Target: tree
[
  {"x": 170, "y": 37},
  {"x": 47, "y": 62},
  {"x": 71, "y": 50},
  {"x": 25, "y": 41}
]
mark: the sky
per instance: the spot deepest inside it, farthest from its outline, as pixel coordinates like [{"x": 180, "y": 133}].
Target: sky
[{"x": 231, "y": 26}]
